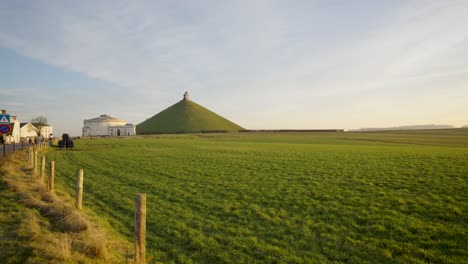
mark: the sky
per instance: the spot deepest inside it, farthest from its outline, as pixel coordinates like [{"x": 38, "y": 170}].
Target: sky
[{"x": 262, "y": 64}]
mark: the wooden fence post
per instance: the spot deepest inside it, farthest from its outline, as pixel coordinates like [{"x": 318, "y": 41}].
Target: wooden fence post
[
  {"x": 79, "y": 188},
  {"x": 29, "y": 156},
  {"x": 140, "y": 228},
  {"x": 32, "y": 157},
  {"x": 43, "y": 162},
  {"x": 51, "y": 176},
  {"x": 35, "y": 163}
]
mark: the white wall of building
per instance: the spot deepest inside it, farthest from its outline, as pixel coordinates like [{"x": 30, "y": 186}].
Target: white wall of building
[
  {"x": 28, "y": 131},
  {"x": 127, "y": 130},
  {"x": 46, "y": 131},
  {"x": 99, "y": 128},
  {"x": 107, "y": 126}
]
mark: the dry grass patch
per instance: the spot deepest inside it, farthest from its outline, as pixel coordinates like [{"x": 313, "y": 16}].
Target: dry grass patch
[{"x": 50, "y": 228}]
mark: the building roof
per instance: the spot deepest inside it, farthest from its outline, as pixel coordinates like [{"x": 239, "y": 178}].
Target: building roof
[
  {"x": 104, "y": 118},
  {"x": 39, "y": 125},
  {"x": 26, "y": 123},
  {"x": 122, "y": 126}
]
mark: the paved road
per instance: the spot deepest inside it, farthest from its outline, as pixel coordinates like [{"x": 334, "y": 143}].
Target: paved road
[{"x": 8, "y": 148}]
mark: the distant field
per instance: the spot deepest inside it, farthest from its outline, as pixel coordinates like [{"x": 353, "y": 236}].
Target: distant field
[{"x": 375, "y": 197}]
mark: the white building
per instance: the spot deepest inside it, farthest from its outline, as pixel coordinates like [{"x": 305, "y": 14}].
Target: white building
[
  {"x": 45, "y": 131},
  {"x": 28, "y": 131},
  {"x": 107, "y": 126}
]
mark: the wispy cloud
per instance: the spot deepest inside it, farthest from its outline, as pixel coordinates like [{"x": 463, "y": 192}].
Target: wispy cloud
[
  {"x": 13, "y": 103},
  {"x": 14, "y": 91}
]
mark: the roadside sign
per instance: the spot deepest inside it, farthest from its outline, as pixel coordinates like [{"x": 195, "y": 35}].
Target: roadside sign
[
  {"x": 5, "y": 129},
  {"x": 5, "y": 119}
]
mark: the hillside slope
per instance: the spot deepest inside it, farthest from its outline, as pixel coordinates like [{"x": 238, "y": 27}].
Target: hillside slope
[{"x": 185, "y": 117}]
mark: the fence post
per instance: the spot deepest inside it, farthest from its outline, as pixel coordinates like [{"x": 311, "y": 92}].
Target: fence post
[
  {"x": 32, "y": 157},
  {"x": 79, "y": 188},
  {"x": 140, "y": 228},
  {"x": 43, "y": 162},
  {"x": 35, "y": 163},
  {"x": 29, "y": 156},
  {"x": 22, "y": 144},
  {"x": 51, "y": 176},
  {"x": 4, "y": 149},
  {"x": 14, "y": 146}
]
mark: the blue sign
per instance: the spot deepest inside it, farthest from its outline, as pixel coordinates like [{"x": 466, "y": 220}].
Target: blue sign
[{"x": 5, "y": 119}]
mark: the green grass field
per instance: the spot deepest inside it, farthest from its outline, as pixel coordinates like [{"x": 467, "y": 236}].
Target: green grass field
[{"x": 388, "y": 197}]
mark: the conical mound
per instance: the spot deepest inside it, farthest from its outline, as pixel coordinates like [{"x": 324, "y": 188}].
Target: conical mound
[{"x": 186, "y": 117}]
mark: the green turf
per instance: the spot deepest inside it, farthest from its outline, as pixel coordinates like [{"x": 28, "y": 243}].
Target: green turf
[
  {"x": 283, "y": 198},
  {"x": 185, "y": 117}
]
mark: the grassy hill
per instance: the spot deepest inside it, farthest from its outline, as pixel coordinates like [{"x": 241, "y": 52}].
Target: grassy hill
[{"x": 185, "y": 117}]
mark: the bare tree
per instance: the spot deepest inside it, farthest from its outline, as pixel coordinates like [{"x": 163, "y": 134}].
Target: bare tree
[{"x": 39, "y": 122}]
